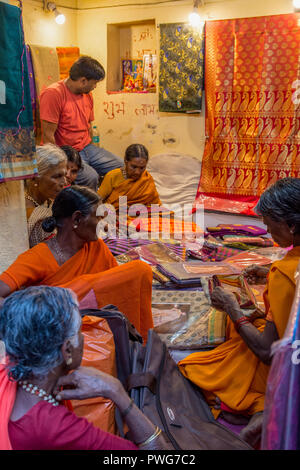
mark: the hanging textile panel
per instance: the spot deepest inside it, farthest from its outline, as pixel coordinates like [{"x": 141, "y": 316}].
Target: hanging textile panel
[
  {"x": 17, "y": 146},
  {"x": 66, "y": 58},
  {"x": 46, "y": 71},
  {"x": 252, "y": 123},
  {"x": 181, "y": 68}
]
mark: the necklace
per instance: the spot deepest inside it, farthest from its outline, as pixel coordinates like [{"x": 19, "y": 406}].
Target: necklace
[
  {"x": 35, "y": 390},
  {"x": 37, "y": 204},
  {"x": 58, "y": 250}
]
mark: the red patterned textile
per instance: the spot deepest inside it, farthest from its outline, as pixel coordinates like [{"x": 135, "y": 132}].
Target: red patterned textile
[{"x": 252, "y": 123}]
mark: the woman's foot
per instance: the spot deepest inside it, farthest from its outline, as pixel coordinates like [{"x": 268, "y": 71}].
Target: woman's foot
[{"x": 252, "y": 432}]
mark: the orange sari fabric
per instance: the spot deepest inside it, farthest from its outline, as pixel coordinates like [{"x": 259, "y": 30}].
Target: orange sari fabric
[
  {"x": 251, "y": 120},
  {"x": 66, "y": 58},
  {"x": 142, "y": 191},
  {"x": 231, "y": 371},
  {"x": 129, "y": 286}
]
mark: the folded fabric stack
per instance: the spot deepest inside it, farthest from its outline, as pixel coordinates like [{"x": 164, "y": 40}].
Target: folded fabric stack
[
  {"x": 242, "y": 237},
  {"x": 190, "y": 273}
]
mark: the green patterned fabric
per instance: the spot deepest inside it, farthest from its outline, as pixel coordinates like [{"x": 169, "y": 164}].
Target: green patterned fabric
[
  {"x": 17, "y": 145},
  {"x": 181, "y": 68}
]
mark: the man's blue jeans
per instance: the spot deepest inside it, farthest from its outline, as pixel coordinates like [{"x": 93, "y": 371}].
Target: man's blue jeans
[{"x": 96, "y": 161}]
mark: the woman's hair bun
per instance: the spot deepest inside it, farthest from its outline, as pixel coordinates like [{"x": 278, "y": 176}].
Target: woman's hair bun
[{"x": 49, "y": 224}]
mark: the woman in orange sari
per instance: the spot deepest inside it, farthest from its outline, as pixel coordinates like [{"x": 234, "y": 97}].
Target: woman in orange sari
[
  {"x": 77, "y": 259},
  {"x": 132, "y": 181},
  {"x": 233, "y": 376}
]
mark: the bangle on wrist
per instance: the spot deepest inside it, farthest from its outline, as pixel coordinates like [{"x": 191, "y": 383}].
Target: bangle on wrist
[
  {"x": 241, "y": 321},
  {"x": 156, "y": 433},
  {"x": 128, "y": 409}
]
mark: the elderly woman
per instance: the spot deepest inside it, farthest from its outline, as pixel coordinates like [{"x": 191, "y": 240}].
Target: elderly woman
[
  {"x": 234, "y": 374},
  {"x": 41, "y": 329},
  {"x": 42, "y": 190},
  {"x": 77, "y": 259},
  {"x": 132, "y": 181}
]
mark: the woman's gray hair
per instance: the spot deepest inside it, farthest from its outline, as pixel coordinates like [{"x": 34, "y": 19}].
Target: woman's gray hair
[
  {"x": 34, "y": 324},
  {"x": 281, "y": 202},
  {"x": 49, "y": 156}
]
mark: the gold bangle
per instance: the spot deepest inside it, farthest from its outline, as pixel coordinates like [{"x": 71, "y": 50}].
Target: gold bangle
[{"x": 156, "y": 433}]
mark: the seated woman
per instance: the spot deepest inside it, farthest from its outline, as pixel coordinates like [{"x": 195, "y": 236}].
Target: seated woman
[
  {"x": 77, "y": 259},
  {"x": 74, "y": 163},
  {"x": 235, "y": 373},
  {"x": 132, "y": 181},
  {"x": 41, "y": 330},
  {"x": 41, "y": 190}
]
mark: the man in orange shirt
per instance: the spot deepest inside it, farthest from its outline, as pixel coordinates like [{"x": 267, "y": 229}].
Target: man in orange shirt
[{"x": 67, "y": 111}]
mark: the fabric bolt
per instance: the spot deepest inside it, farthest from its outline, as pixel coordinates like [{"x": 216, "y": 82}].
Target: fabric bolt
[
  {"x": 66, "y": 58},
  {"x": 252, "y": 123},
  {"x": 281, "y": 415},
  {"x": 214, "y": 371},
  {"x": 181, "y": 68},
  {"x": 17, "y": 145},
  {"x": 92, "y": 267}
]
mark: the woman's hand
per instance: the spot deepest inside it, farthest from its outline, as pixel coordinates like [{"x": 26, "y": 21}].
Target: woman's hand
[
  {"x": 256, "y": 274},
  {"x": 87, "y": 382},
  {"x": 224, "y": 300}
]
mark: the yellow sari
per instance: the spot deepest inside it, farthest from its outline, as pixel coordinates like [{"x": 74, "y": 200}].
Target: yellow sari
[
  {"x": 232, "y": 371},
  {"x": 142, "y": 191}
]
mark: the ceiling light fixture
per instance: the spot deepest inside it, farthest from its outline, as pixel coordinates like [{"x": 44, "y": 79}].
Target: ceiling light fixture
[
  {"x": 51, "y": 6},
  {"x": 194, "y": 17}
]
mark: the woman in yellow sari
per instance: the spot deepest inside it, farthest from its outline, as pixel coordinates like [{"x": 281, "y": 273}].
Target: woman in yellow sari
[
  {"x": 132, "y": 181},
  {"x": 233, "y": 376}
]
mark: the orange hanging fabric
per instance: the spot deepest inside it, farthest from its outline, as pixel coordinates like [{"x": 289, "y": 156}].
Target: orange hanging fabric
[{"x": 252, "y": 123}]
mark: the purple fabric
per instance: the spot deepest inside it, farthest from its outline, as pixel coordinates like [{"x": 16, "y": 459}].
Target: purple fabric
[
  {"x": 31, "y": 77},
  {"x": 281, "y": 427}
]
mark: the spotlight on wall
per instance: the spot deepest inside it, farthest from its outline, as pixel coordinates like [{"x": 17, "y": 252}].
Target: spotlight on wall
[
  {"x": 59, "y": 17},
  {"x": 194, "y": 17},
  {"x": 296, "y": 4}
]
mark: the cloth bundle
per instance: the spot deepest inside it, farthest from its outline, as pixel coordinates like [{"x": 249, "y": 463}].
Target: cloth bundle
[{"x": 236, "y": 229}]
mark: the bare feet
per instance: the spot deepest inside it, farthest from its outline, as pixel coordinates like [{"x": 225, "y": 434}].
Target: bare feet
[{"x": 252, "y": 432}]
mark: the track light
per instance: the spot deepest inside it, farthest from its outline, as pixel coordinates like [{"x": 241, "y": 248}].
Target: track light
[
  {"x": 59, "y": 17},
  {"x": 194, "y": 17},
  {"x": 296, "y": 4}
]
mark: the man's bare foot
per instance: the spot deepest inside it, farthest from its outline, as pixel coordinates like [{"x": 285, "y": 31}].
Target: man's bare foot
[{"x": 252, "y": 432}]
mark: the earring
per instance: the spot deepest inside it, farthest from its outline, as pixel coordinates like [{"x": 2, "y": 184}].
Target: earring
[
  {"x": 69, "y": 361},
  {"x": 75, "y": 226}
]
